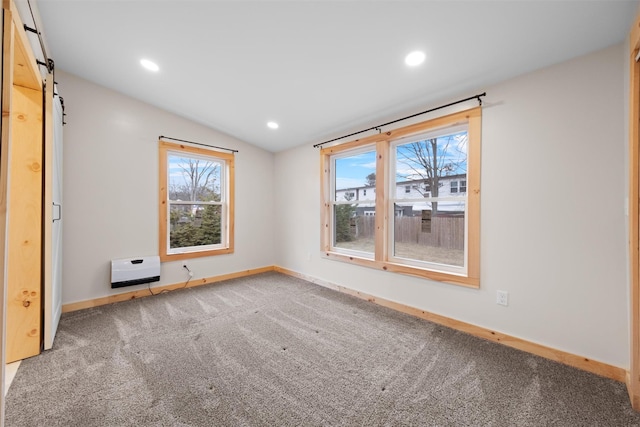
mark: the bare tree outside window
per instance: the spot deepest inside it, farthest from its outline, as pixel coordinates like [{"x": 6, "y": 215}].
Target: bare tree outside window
[
  {"x": 195, "y": 180},
  {"x": 198, "y": 180},
  {"x": 431, "y": 159}
]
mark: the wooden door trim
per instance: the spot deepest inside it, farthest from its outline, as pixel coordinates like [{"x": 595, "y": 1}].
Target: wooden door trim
[{"x": 633, "y": 379}]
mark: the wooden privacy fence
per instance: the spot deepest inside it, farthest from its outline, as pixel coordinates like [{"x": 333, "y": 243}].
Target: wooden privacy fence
[{"x": 446, "y": 232}]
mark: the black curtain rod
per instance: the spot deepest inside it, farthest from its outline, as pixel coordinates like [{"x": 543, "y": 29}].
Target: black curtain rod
[
  {"x": 197, "y": 143},
  {"x": 478, "y": 96}
]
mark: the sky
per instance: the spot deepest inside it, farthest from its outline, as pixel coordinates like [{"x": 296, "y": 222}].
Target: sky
[{"x": 352, "y": 171}]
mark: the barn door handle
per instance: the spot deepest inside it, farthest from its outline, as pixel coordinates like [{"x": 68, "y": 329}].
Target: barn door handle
[{"x": 59, "y": 212}]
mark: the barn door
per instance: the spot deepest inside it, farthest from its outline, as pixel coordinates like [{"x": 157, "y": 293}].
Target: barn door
[{"x": 52, "y": 214}]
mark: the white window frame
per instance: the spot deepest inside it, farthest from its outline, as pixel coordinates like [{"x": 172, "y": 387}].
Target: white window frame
[
  {"x": 453, "y": 197},
  {"x": 333, "y": 203}
]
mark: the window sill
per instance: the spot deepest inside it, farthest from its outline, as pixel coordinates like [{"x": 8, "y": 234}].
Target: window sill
[
  {"x": 439, "y": 276},
  {"x": 195, "y": 254}
]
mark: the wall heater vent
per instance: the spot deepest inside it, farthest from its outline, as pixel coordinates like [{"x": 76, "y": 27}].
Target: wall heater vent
[{"x": 134, "y": 271}]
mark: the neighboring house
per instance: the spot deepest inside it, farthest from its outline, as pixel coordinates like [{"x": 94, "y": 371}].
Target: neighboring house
[{"x": 450, "y": 186}]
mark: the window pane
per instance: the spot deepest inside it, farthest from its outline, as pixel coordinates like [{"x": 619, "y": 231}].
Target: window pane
[
  {"x": 354, "y": 227},
  {"x": 194, "y": 225},
  {"x": 421, "y": 235},
  {"x": 352, "y": 174},
  {"x": 194, "y": 179},
  {"x": 433, "y": 166}
]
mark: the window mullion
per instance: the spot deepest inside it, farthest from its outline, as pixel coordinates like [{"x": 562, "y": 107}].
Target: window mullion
[
  {"x": 382, "y": 202},
  {"x": 473, "y": 196}
]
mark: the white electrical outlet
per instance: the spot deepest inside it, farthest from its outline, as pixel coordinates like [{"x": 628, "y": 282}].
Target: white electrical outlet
[
  {"x": 502, "y": 298},
  {"x": 188, "y": 270}
]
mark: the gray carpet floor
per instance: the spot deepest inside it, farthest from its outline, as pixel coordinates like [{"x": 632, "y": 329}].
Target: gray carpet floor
[{"x": 272, "y": 350}]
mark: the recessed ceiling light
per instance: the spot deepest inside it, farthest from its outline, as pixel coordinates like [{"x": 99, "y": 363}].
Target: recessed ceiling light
[
  {"x": 149, "y": 65},
  {"x": 414, "y": 58},
  {"x": 273, "y": 125}
]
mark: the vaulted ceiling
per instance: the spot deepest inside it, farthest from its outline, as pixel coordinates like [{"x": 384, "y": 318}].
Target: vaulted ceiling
[{"x": 317, "y": 68}]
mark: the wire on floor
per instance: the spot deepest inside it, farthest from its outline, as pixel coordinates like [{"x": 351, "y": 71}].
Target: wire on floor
[{"x": 166, "y": 291}]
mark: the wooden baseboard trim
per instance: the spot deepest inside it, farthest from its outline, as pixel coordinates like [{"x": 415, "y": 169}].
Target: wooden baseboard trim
[
  {"x": 633, "y": 396},
  {"x": 141, "y": 293},
  {"x": 580, "y": 362}
]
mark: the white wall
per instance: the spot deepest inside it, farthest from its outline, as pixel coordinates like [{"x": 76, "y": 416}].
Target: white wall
[
  {"x": 111, "y": 190},
  {"x": 552, "y": 215}
]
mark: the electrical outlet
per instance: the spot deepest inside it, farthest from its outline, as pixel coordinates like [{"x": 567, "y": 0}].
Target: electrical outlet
[
  {"x": 187, "y": 268},
  {"x": 502, "y": 298}
]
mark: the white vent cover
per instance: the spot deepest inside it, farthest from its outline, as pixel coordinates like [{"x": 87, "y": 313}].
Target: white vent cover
[{"x": 134, "y": 271}]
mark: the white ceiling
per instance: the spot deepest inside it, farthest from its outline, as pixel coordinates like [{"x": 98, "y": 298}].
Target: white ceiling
[{"x": 319, "y": 68}]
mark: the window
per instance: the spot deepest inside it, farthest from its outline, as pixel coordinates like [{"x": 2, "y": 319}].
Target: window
[
  {"x": 429, "y": 232},
  {"x": 364, "y": 192},
  {"x": 351, "y": 233},
  {"x": 458, "y": 186},
  {"x": 196, "y": 202},
  {"x": 432, "y": 156}
]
